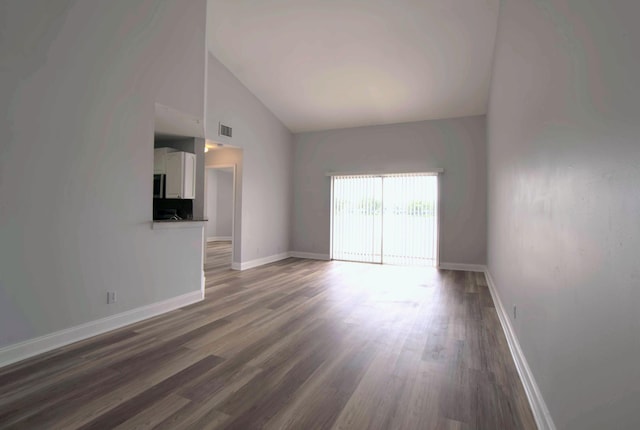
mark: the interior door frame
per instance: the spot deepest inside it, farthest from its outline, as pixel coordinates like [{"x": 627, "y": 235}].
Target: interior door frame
[
  {"x": 233, "y": 205},
  {"x": 438, "y": 173},
  {"x": 331, "y": 206},
  {"x": 438, "y": 214}
]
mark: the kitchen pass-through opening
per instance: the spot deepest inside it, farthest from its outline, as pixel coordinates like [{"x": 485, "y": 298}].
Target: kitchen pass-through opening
[{"x": 385, "y": 219}]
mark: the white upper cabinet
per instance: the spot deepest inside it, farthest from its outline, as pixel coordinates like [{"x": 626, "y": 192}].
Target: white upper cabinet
[
  {"x": 181, "y": 175},
  {"x": 160, "y": 159}
]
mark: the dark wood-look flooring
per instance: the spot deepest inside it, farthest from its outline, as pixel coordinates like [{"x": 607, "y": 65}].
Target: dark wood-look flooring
[{"x": 297, "y": 344}]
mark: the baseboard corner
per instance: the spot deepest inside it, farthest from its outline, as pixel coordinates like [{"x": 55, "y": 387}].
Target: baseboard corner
[
  {"x": 309, "y": 255},
  {"x": 246, "y": 265},
  {"x": 463, "y": 266},
  {"x": 538, "y": 406}
]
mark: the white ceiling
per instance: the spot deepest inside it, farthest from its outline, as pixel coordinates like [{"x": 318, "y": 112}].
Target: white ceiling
[{"x": 325, "y": 64}]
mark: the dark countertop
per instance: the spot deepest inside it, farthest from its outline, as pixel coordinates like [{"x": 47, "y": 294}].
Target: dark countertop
[
  {"x": 181, "y": 220},
  {"x": 167, "y": 224}
]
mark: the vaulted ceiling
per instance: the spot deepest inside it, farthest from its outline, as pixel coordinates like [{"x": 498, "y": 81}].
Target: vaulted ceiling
[{"x": 325, "y": 64}]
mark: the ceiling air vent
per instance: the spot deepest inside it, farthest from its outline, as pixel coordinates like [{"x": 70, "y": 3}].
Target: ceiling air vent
[{"x": 225, "y": 130}]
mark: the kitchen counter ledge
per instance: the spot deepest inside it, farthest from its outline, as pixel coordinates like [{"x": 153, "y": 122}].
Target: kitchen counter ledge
[{"x": 162, "y": 224}]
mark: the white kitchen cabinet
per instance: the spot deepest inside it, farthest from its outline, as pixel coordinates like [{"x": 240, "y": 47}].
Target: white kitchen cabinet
[
  {"x": 181, "y": 175},
  {"x": 160, "y": 160}
]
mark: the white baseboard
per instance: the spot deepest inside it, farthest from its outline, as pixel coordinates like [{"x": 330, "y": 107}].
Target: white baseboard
[
  {"x": 461, "y": 266},
  {"x": 29, "y": 348},
  {"x": 259, "y": 262},
  {"x": 219, "y": 239},
  {"x": 309, "y": 255},
  {"x": 538, "y": 406}
]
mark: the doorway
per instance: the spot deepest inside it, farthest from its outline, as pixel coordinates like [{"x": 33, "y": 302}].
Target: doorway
[
  {"x": 385, "y": 219},
  {"x": 219, "y": 209}
]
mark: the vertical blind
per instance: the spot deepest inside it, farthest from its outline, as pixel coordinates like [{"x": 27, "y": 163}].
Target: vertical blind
[
  {"x": 357, "y": 218},
  {"x": 388, "y": 219}
]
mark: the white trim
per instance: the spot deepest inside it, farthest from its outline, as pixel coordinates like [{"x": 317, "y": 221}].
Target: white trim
[
  {"x": 385, "y": 173},
  {"x": 259, "y": 261},
  {"x": 536, "y": 401},
  {"x": 439, "y": 217},
  {"x": 219, "y": 239},
  {"x": 309, "y": 255},
  {"x": 203, "y": 282},
  {"x": 331, "y": 213},
  {"x": 29, "y": 348},
  {"x": 462, "y": 266}
]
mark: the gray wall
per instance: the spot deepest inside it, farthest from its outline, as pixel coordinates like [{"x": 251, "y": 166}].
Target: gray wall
[
  {"x": 564, "y": 206},
  {"x": 266, "y": 174},
  {"x": 219, "y": 203},
  {"x": 456, "y": 145},
  {"x": 78, "y": 87}
]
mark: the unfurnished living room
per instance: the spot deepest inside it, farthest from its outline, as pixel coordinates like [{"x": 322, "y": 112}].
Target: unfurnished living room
[{"x": 312, "y": 214}]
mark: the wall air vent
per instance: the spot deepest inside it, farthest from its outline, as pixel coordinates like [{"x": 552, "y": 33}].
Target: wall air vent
[{"x": 225, "y": 130}]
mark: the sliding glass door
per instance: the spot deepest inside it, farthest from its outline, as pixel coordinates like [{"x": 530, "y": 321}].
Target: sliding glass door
[
  {"x": 390, "y": 219},
  {"x": 410, "y": 232},
  {"x": 357, "y": 218}
]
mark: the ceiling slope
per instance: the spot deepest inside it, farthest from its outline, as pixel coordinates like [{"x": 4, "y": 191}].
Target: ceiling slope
[{"x": 325, "y": 64}]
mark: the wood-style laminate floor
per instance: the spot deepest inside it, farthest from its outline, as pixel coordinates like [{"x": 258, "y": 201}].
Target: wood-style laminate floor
[{"x": 297, "y": 344}]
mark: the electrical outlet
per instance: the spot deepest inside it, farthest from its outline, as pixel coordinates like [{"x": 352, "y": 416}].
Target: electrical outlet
[
  {"x": 515, "y": 314},
  {"x": 111, "y": 297}
]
